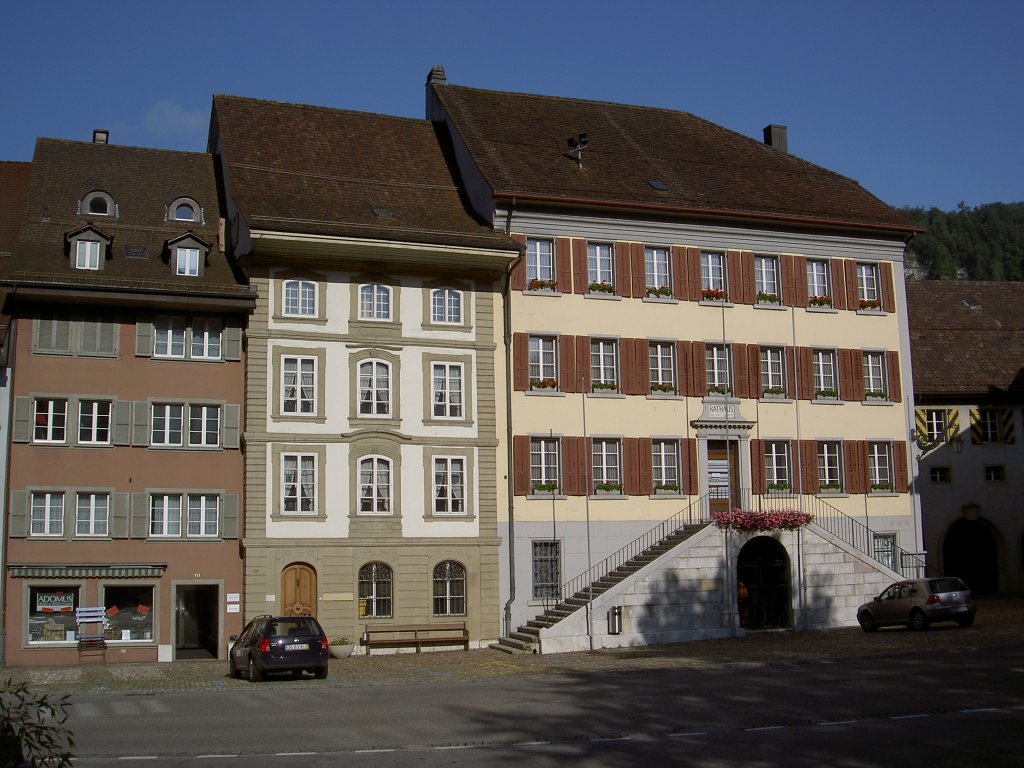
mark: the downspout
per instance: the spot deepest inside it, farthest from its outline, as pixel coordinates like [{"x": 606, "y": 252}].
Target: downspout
[
  {"x": 4, "y": 525},
  {"x": 506, "y": 295}
]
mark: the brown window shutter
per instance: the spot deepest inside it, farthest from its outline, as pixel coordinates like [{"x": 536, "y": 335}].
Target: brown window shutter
[
  {"x": 569, "y": 485},
  {"x": 643, "y": 368},
  {"x": 855, "y": 453},
  {"x": 563, "y": 264},
  {"x": 851, "y": 375},
  {"x": 520, "y": 362},
  {"x": 839, "y": 284},
  {"x": 567, "y": 379},
  {"x": 643, "y": 473},
  {"x": 757, "y": 476},
  {"x": 749, "y": 283},
  {"x": 688, "y": 462},
  {"x": 583, "y": 363},
  {"x": 791, "y": 390},
  {"x": 621, "y": 269},
  {"x": 698, "y": 369},
  {"x": 583, "y": 468},
  {"x": 888, "y": 289},
  {"x": 580, "y": 276},
  {"x": 852, "y": 300},
  {"x": 892, "y": 360},
  {"x": 684, "y": 367},
  {"x": 809, "y": 466},
  {"x": 901, "y": 477},
  {"x": 627, "y": 367},
  {"x": 517, "y": 281},
  {"x": 804, "y": 373},
  {"x": 735, "y": 279},
  {"x": 740, "y": 379},
  {"x": 754, "y": 371},
  {"x": 631, "y": 466},
  {"x": 794, "y": 289},
  {"x": 692, "y": 275},
  {"x": 520, "y": 465},
  {"x": 634, "y": 252}
]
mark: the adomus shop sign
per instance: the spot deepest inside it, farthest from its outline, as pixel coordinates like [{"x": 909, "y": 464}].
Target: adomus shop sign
[{"x": 55, "y": 602}]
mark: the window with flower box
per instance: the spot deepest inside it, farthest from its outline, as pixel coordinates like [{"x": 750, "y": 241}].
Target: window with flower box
[
  {"x": 540, "y": 265},
  {"x": 712, "y": 276},
  {"x": 777, "y": 466},
  {"x": 662, "y": 368},
  {"x": 719, "y": 378},
  {"x": 545, "y": 475},
  {"x": 658, "y": 272},
  {"x": 601, "y": 268},
  {"x": 606, "y": 465},
  {"x": 766, "y": 280},
  {"x": 874, "y": 376},
  {"x": 830, "y": 470},
  {"x": 825, "y": 374},
  {"x": 543, "y": 362},
  {"x": 773, "y": 372},
  {"x": 880, "y": 467},
  {"x": 604, "y": 365},
  {"x": 665, "y": 466},
  {"x": 868, "y": 291},
  {"x": 819, "y": 283}
]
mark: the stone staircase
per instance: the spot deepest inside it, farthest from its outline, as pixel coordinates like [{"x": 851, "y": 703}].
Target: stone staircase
[{"x": 526, "y": 639}]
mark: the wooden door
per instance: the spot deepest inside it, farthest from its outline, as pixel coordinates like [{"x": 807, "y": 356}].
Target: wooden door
[
  {"x": 298, "y": 590},
  {"x": 722, "y": 481}
]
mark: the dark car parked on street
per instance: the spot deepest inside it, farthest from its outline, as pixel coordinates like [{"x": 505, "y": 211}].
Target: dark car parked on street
[
  {"x": 919, "y": 603},
  {"x": 279, "y": 644}
]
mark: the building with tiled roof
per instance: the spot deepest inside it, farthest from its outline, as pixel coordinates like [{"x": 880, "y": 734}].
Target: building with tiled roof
[
  {"x": 968, "y": 357},
  {"x": 125, "y": 476},
  {"x": 374, "y": 368},
  {"x": 700, "y": 323}
]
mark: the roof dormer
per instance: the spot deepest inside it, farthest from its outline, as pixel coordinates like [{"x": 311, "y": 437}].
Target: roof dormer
[
  {"x": 97, "y": 203},
  {"x": 88, "y": 248},
  {"x": 185, "y": 209},
  {"x": 187, "y": 255}
]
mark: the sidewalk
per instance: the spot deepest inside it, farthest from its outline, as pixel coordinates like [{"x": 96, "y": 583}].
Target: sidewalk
[{"x": 1000, "y": 622}]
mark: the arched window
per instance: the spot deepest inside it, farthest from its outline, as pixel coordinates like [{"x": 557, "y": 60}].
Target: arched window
[
  {"x": 446, "y": 306},
  {"x": 98, "y": 206},
  {"x": 375, "y": 590},
  {"x": 97, "y": 203},
  {"x": 449, "y": 589},
  {"x": 374, "y": 302},
  {"x": 374, "y": 486},
  {"x": 300, "y": 298},
  {"x": 374, "y": 388},
  {"x": 184, "y": 212}
]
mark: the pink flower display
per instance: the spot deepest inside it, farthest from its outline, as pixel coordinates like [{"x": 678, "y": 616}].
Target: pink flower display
[{"x": 753, "y": 520}]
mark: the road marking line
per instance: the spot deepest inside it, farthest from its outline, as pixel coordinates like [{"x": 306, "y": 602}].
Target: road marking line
[
  {"x": 137, "y": 757},
  {"x": 688, "y": 733},
  {"x": 765, "y": 728},
  {"x": 201, "y": 757},
  {"x": 612, "y": 738},
  {"x": 980, "y": 709},
  {"x": 294, "y": 754},
  {"x": 837, "y": 722},
  {"x": 530, "y": 743},
  {"x": 909, "y": 717},
  {"x": 456, "y": 746},
  {"x": 372, "y": 751}
]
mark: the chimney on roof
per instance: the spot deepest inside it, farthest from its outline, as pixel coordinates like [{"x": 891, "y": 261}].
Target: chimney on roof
[
  {"x": 775, "y": 136},
  {"x": 100, "y": 136},
  {"x": 436, "y": 75}
]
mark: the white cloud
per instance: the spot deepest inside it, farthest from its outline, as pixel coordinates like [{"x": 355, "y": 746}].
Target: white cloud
[{"x": 169, "y": 117}]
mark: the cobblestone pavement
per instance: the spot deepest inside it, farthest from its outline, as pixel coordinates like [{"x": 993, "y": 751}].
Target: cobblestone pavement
[{"x": 1000, "y": 622}]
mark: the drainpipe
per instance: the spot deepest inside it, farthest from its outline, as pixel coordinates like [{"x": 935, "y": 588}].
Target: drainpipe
[
  {"x": 506, "y": 295},
  {"x": 12, "y": 329}
]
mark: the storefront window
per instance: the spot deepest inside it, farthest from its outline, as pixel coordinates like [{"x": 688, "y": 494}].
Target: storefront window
[
  {"x": 51, "y": 614},
  {"x": 129, "y": 613}
]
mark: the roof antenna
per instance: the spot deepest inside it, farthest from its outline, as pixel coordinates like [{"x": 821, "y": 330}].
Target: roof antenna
[{"x": 576, "y": 146}]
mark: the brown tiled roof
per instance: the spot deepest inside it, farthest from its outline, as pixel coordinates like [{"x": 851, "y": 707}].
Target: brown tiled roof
[
  {"x": 966, "y": 339},
  {"x": 13, "y": 190},
  {"x": 519, "y": 144},
  {"x": 306, "y": 169},
  {"x": 142, "y": 183}
]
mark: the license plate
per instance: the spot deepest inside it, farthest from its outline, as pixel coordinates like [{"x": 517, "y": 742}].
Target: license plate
[{"x": 297, "y": 647}]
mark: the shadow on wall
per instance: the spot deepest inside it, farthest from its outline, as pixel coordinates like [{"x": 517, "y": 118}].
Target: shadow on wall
[{"x": 679, "y": 604}]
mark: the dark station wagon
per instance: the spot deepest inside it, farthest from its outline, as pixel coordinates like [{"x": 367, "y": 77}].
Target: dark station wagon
[
  {"x": 919, "y": 603},
  {"x": 279, "y": 644}
]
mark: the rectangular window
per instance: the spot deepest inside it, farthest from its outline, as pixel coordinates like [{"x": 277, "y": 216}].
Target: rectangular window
[
  {"x": 935, "y": 425},
  {"x": 940, "y": 475},
  {"x": 712, "y": 273},
  {"x": 167, "y": 424},
  {"x": 661, "y": 363},
  {"x": 51, "y": 418},
  {"x": 203, "y": 514},
  {"x": 601, "y": 267},
  {"x": 766, "y": 279},
  {"x": 547, "y": 570},
  {"x": 658, "y": 271},
  {"x": 449, "y": 486},
  {"x": 164, "y": 515},
  {"x": 206, "y": 338},
  {"x": 446, "y": 306},
  {"x": 447, "y": 390},
  {"x": 874, "y": 375},
  {"x": 187, "y": 263},
  {"x": 129, "y": 611},
  {"x": 92, "y": 514},
  {"x": 867, "y": 286},
  {"x": 718, "y": 379},
  {"x": 986, "y": 427},
  {"x": 204, "y": 426},
  {"x": 298, "y": 483},
  {"x": 884, "y": 545},
  {"x": 823, "y": 363},
  {"x": 830, "y": 475},
  {"x": 607, "y": 465},
  {"x": 880, "y": 466},
  {"x": 169, "y": 337},
  {"x": 374, "y": 388},
  {"x": 298, "y": 386},
  {"x": 544, "y": 460},
  {"x": 995, "y": 473},
  {"x": 374, "y": 302},
  {"x": 773, "y": 371},
  {"x": 94, "y": 422},
  {"x": 51, "y": 613},
  {"x": 543, "y": 362},
  {"x": 540, "y": 265},
  {"x": 87, "y": 255},
  {"x": 604, "y": 366},
  {"x": 300, "y": 298},
  {"x": 47, "y": 514},
  {"x": 819, "y": 287},
  {"x": 665, "y": 465},
  {"x": 776, "y": 465}
]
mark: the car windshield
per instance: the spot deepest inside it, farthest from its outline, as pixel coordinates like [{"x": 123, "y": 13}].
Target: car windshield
[
  {"x": 951, "y": 584},
  {"x": 293, "y": 627}
]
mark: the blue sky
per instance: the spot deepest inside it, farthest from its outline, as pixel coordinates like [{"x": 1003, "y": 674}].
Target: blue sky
[{"x": 921, "y": 102}]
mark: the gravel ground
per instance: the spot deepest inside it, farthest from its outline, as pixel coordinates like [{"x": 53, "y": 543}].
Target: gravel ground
[{"x": 1000, "y": 622}]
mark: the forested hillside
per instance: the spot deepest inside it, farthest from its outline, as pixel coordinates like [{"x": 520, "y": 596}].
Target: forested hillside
[{"x": 983, "y": 243}]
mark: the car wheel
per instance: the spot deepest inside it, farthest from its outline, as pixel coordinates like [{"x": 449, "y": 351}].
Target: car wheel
[
  {"x": 254, "y": 674},
  {"x": 965, "y": 622},
  {"x": 867, "y": 622},
  {"x": 233, "y": 671},
  {"x": 918, "y": 621},
  {"x": 321, "y": 672}
]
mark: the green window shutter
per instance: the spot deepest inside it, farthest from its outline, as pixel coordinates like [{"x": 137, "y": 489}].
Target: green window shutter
[
  {"x": 52, "y": 333},
  {"x": 21, "y": 429},
  {"x": 119, "y": 515},
  {"x": 229, "y": 516},
  {"x": 144, "y": 336},
  {"x": 122, "y": 433},
  {"x": 99, "y": 337},
  {"x": 18, "y": 516},
  {"x": 140, "y": 423},
  {"x": 232, "y": 343},
  {"x": 139, "y": 516},
  {"x": 232, "y": 415}
]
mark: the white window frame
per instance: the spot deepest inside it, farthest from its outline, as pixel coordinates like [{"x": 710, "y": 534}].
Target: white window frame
[
  {"x": 825, "y": 375},
  {"x": 988, "y": 426},
  {"x": 376, "y": 485},
  {"x": 448, "y": 494},
  {"x": 47, "y": 513},
  {"x": 169, "y": 336},
  {"x": 830, "y": 465},
  {"x": 50, "y": 424},
  {"x": 867, "y": 283},
  {"x": 92, "y": 514},
  {"x": 299, "y": 298},
  {"x": 657, "y": 268},
  {"x": 543, "y": 358},
  {"x": 449, "y": 592},
  {"x": 207, "y": 338},
  {"x": 777, "y": 465},
  {"x": 540, "y": 260},
  {"x": 880, "y": 466},
  {"x": 299, "y": 478},
  {"x": 545, "y": 463},
  {"x": 298, "y": 385},
  {"x": 374, "y": 380},
  {"x": 712, "y": 271},
  {"x": 600, "y": 264},
  {"x": 766, "y": 275},
  {"x": 165, "y": 515},
  {"x": 87, "y": 255},
  {"x": 446, "y": 306},
  {"x": 717, "y": 357},
  {"x": 935, "y": 424},
  {"x": 661, "y": 365},
  {"x": 447, "y": 395},
  {"x": 167, "y": 425},
  {"x": 604, "y": 364},
  {"x": 665, "y": 465},
  {"x": 204, "y": 424},
  {"x": 188, "y": 207},
  {"x": 203, "y": 515},
  {"x": 186, "y": 262},
  {"x": 819, "y": 280},
  {"x": 94, "y": 422},
  {"x": 874, "y": 374},
  {"x": 375, "y": 302},
  {"x": 773, "y": 370},
  {"x": 606, "y": 463}
]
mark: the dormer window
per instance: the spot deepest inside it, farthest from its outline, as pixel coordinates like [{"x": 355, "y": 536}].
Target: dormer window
[
  {"x": 97, "y": 203},
  {"x": 184, "y": 209},
  {"x": 87, "y": 248},
  {"x": 184, "y": 212},
  {"x": 87, "y": 255},
  {"x": 186, "y": 262},
  {"x": 187, "y": 255}
]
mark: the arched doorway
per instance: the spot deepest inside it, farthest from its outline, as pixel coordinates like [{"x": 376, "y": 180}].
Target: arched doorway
[
  {"x": 763, "y": 569},
  {"x": 971, "y": 552},
  {"x": 298, "y": 590}
]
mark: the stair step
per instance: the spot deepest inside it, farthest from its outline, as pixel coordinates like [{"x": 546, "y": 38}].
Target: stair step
[
  {"x": 523, "y": 637},
  {"x": 512, "y": 651}
]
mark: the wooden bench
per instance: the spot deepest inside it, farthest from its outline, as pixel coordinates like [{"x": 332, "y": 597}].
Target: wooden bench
[{"x": 453, "y": 633}]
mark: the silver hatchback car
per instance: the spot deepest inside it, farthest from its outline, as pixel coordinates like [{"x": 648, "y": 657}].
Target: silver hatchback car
[{"x": 919, "y": 603}]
